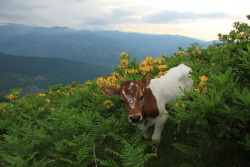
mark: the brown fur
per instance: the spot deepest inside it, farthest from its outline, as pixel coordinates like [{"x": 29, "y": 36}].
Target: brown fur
[{"x": 151, "y": 109}]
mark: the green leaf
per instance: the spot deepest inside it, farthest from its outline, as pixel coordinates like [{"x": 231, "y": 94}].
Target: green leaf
[
  {"x": 197, "y": 122},
  {"x": 204, "y": 122},
  {"x": 248, "y": 48},
  {"x": 248, "y": 98}
]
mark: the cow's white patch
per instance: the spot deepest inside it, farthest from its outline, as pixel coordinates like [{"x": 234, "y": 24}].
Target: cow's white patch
[
  {"x": 130, "y": 98},
  {"x": 130, "y": 88}
]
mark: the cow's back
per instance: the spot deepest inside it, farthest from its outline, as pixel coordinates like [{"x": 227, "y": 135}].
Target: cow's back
[{"x": 167, "y": 88}]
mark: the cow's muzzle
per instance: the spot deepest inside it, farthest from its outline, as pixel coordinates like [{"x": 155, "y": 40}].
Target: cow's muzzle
[{"x": 135, "y": 118}]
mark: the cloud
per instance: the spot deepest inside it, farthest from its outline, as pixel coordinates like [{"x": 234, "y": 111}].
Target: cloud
[
  {"x": 71, "y": 13},
  {"x": 167, "y": 16},
  {"x": 110, "y": 17}
]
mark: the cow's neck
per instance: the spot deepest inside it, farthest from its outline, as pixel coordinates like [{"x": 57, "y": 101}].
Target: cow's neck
[{"x": 150, "y": 105}]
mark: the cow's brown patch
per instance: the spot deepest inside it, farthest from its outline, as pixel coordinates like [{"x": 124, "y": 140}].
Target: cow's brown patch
[{"x": 151, "y": 109}]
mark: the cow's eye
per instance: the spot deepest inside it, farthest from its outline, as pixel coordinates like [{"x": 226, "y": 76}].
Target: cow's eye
[
  {"x": 122, "y": 101},
  {"x": 141, "y": 97}
]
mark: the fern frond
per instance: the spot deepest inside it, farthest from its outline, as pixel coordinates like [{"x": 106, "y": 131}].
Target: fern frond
[
  {"x": 107, "y": 163},
  {"x": 112, "y": 152},
  {"x": 186, "y": 149}
]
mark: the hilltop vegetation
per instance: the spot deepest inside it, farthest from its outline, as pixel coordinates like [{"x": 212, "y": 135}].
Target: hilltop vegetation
[
  {"x": 77, "y": 125},
  {"x": 87, "y": 46}
]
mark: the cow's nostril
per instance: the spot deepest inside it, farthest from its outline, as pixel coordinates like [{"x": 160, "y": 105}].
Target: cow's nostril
[{"x": 135, "y": 118}]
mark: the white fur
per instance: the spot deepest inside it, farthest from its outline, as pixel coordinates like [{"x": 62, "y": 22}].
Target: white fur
[{"x": 167, "y": 89}]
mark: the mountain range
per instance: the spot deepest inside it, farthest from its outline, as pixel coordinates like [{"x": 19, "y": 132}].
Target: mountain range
[
  {"x": 92, "y": 47},
  {"x": 34, "y": 58}
]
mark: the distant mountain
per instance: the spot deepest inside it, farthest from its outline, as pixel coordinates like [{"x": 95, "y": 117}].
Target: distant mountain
[
  {"x": 20, "y": 72},
  {"x": 93, "y": 47},
  {"x": 12, "y": 30}
]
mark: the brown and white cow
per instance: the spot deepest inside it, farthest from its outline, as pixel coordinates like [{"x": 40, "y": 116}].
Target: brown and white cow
[{"x": 145, "y": 101}]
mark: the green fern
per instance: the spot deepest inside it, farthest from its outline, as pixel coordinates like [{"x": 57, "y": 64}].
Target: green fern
[
  {"x": 109, "y": 163},
  {"x": 186, "y": 149}
]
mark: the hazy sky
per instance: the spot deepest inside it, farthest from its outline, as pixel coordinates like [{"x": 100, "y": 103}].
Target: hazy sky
[{"x": 193, "y": 18}]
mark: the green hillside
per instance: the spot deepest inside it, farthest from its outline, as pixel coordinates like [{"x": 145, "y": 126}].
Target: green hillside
[
  {"x": 18, "y": 71},
  {"x": 78, "y": 125}
]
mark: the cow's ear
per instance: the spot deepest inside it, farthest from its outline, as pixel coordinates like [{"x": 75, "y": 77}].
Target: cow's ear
[
  {"x": 146, "y": 80},
  {"x": 111, "y": 91}
]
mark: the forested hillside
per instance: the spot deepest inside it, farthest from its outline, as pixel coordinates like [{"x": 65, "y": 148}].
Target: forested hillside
[
  {"x": 87, "y": 46},
  {"x": 19, "y": 72},
  {"x": 78, "y": 125}
]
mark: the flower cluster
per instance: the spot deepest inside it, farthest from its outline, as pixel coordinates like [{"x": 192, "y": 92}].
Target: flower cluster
[
  {"x": 146, "y": 66},
  {"x": 109, "y": 81},
  {"x": 41, "y": 109},
  {"x": 182, "y": 105},
  {"x": 42, "y": 95},
  {"x": 2, "y": 108},
  {"x": 47, "y": 102},
  {"x": 108, "y": 103},
  {"x": 124, "y": 60},
  {"x": 180, "y": 53},
  {"x": 196, "y": 52},
  {"x": 130, "y": 71},
  {"x": 162, "y": 67},
  {"x": 13, "y": 96},
  {"x": 158, "y": 60},
  {"x": 201, "y": 87}
]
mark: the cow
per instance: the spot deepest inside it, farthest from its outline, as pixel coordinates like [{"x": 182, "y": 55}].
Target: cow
[{"x": 145, "y": 102}]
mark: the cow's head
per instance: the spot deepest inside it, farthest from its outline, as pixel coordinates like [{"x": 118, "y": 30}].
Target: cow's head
[{"x": 131, "y": 94}]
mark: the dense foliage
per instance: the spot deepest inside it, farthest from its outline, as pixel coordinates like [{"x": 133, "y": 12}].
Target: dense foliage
[{"x": 78, "y": 125}]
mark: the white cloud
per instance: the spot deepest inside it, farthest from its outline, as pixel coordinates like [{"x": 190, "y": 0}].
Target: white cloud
[
  {"x": 167, "y": 16},
  {"x": 158, "y": 16}
]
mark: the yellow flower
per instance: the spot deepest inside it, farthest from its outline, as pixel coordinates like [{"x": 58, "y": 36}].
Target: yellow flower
[
  {"x": 123, "y": 53},
  {"x": 13, "y": 95},
  {"x": 47, "y": 102},
  {"x": 201, "y": 87},
  {"x": 213, "y": 64},
  {"x": 42, "y": 94},
  {"x": 2, "y": 109},
  {"x": 123, "y": 62},
  {"x": 201, "y": 83},
  {"x": 52, "y": 109},
  {"x": 203, "y": 78},
  {"x": 108, "y": 103},
  {"x": 204, "y": 90},
  {"x": 66, "y": 94},
  {"x": 198, "y": 90},
  {"x": 162, "y": 66},
  {"x": 183, "y": 105},
  {"x": 180, "y": 53},
  {"x": 41, "y": 109},
  {"x": 161, "y": 73},
  {"x": 158, "y": 60},
  {"x": 176, "y": 104}
]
